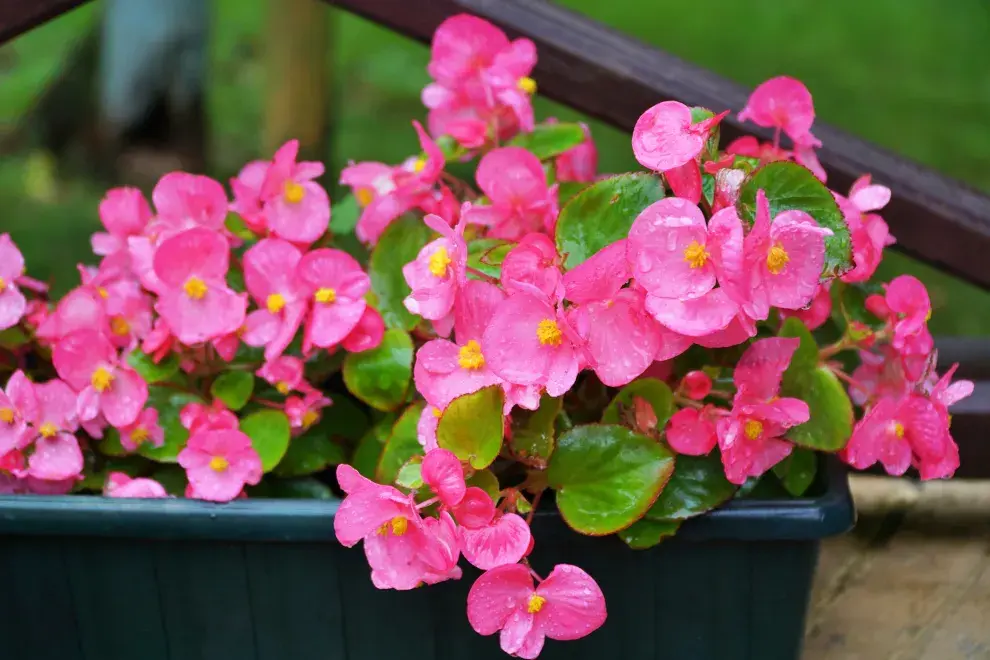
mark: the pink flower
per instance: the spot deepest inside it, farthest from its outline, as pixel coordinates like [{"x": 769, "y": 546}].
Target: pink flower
[
  {"x": 437, "y": 273},
  {"x": 304, "y": 412},
  {"x": 12, "y": 301},
  {"x": 144, "y": 429},
  {"x": 579, "y": 163},
  {"x": 367, "y": 334},
  {"x": 567, "y": 605},
  {"x": 335, "y": 284},
  {"x": 125, "y": 213},
  {"x": 685, "y": 181},
  {"x": 521, "y": 203},
  {"x": 692, "y": 432},
  {"x": 219, "y": 463},
  {"x": 503, "y": 541},
  {"x": 121, "y": 485},
  {"x": 529, "y": 342},
  {"x": 818, "y": 312},
  {"x": 664, "y": 136},
  {"x": 445, "y": 370},
  {"x": 750, "y": 437},
  {"x": 531, "y": 266},
  {"x": 158, "y": 343},
  {"x": 907, "y": 299},
  {"x": 694, "y": 318},
  {"x": 197, "y": 303},
  {"x": 443, "y": 473},
  {"x": 128, "y": 312},
  {"x": 696, "y": 385},
  {"x": 426, "y": 427},
  {"x": 246, "y": 187},
  {"x": 186, "y": 201},
  {"x": 80, "y": 309},
  {"x": 870, "y": 234},
  {"x": 56, "y": 455},
  {"x": 896, "y": 431},
  {"x": 18, "y": 407},
  {"x": 879, "y": 375},
  {"x": 384, "y": 199},
  {"x": 198, "y": 417},
  {"x": 271, "y": 279},
  {"x": 296, "y": 207},
  {"x": 782, "y": 103},
  {"x": 88, "y": 362},
  {"x": 284, "y": 374}
]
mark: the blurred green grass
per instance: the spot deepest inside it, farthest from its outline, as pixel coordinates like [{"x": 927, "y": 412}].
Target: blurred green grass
[{"x": 911, "y": 76}]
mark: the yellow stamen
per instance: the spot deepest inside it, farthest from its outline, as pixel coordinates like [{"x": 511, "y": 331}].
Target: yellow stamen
[
  {"x": 898, "y": 429},
  {"x": 397, "y": 526},
  {"x": 3, "y": 284},
  {"x": 548, "y": 332},
  {"x": 7, "y": 415},
  {"x": 283, "y": 387},
  {"x": 195, "y": 288},
  {"x": 470, "y": 356},
  {"x": 293, "y": 192},
  {"x": 219, "y": 464},
  {"x": 536, "y": 603},
  {"x": 777, "y": 259},
  {"x": 103, "y": 292},
  {"x": 101, "y": 379},
  {"x": 309, "y": 418},
  {"x": 753, "y": 429},
  {"x": 696, "y": 255},
  {"x": 437, "y": 413},
  {"x": 527, "y": 85},
  {"x": 119, "y": 326},
  {"x": 439, "y": 261},
  {"x": 325, "y": 295},
  {"x": 48, "y": 430},
  {"x": 139, "y": 435},
  {"x": 275, "y": 303},
  {"x": 364, "y": 196},
  {"x": 419, "y": 165}
]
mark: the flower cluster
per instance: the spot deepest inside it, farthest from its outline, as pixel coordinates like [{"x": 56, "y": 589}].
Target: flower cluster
[{"x": 538, "y": 333}]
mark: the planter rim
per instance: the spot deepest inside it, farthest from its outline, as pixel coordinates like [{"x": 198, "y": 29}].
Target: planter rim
[{"x": 291, "y": 520}]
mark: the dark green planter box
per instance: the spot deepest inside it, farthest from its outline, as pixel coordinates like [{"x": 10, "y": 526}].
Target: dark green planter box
[{"x": 104, "y": 579}]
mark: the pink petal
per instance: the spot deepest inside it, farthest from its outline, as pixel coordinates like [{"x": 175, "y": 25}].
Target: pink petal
[
  {"x": 689, "y": 432},
  {"x": 125, "y": 399},
  {"x": 667, "y": 250},
  {"x": 300, "y": 222},
  {"x": 496, "y": 595},
  {"x": 81, "y": 353},
  {"x": 623, "y": 339},
  {"x": 329, "y": 324},
  {"x": 532, "y": 264},
  {"x": 443, "y": 473},
  {"x": 781, "y": 102},
  {"x": 694, "y": 318},
  {"x": 475, "y": 306},
  {"x": 367, "y": 334},
  {"x": 803, "y": 241},
  {"x": 197, "y": 252},
  {"x": 575, "y": 605},
  {"x": 184, "y": 200},
  {"x": 761, "y": 367},
  {"x": 511, "y": 175},
  {"x": 510, "y": 344},
  {"x": 334, "y": 269},
  {"x": 11, "y": 259},
  {"x": 662, "y": 138},
  {"x": 269, "y": 268},
  {"x": 475, "y": 510},
  {"x": 12, "y": 306},
  {"x": 563, "y": 370},
  {"x": 462, "y": 45},
  {"x": 219, "y": 312},
  {"x": 124, "y": 212},
  {"x": 379, "y": 214},
  {"x": 600, "y": 277},
  {"x": 505, "y": 541},
  {"x": 518, "y": 633},
  {"x": 56, "y": 458},
  {"x": 685, "y": 181}
]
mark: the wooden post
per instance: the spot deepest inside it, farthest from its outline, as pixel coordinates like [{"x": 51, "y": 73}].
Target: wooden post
[{"x": 297, "y": 71}]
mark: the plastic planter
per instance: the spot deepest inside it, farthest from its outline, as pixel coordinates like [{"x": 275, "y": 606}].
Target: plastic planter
[{"x": 103, "y": 579}]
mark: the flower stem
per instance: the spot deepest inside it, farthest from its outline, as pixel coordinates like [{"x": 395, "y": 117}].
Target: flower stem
[{"x": 532, "y": 511}]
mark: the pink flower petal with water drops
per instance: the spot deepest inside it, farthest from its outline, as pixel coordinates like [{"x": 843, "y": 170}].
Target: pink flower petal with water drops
[
  {"x": 496, "y": 595},
  {"x": 444, "y": 474},
  {"x": 504, "y": 541},
  {"x": 694, "y": 318},
  {"x": 667, "y": 249},
  {"x": 575, "y": 604},
  {"x": 663, "y": 139},
  {"x": 600, "y": 277},
  {"x": 689, "y": 432}
]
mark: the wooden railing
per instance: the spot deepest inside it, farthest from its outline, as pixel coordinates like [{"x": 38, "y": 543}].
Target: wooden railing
[{"x": 613, "y": 77}]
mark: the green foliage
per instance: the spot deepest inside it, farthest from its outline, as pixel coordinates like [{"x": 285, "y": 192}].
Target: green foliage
[
  {"x": 472, "y": 426},
  {"x": 169, "y": 403},
  {"x": 380, "y": 377},
  {"x": 646, "y": 533},
  {"x": 533, "y": 431},
  {"x": 402, "y": 445},
  {"x": 269, "y": 431},
  {"x": 797, "y": 471},
  {"x": 549, "y": 140},
  {"x": 151, "y": 371},
  {"x": 487, "y": 254},
  {"x": 398, "y": 245},
  {"x": 654, "y": 391},
  {"x": 697, "y": 486},
  {"x": 312, "y": 452},
  {"x": 234, "y": 388}
]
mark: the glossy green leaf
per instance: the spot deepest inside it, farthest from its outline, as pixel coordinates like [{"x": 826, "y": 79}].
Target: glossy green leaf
[
  {"x": 402, "y": 444},
  {"x": 310, "y": 453},
  {"x": 831, "y": 410},
  {"x": 12, "y": 338},
  {"x": 797, "y": 471},
  {"x": 370, "y": 447},
  {"x": 346, "y": 212},
  {"x": 169, "y": 403},
  {"x": 235, "y": 225},
  {"x": 850, "y": 302},
  {"x": 602, "y": 214},
  {"x": 344, "y": 419},
  {"x": 566, "y": 190},
  {"x": 698, "y": 485},
  {"x": 380, "y": 377},
  {"x": 645, "y": 533},
  {"x": 533, "y": 431},
  {"x": 411, "y": 474},
  {"x": 486, "y": 481},
  {"x": 172, "y": 478},
  {"x": 151, "y": 371},
  {"x": 303, "y": 488},
  {"x": 397, "y": 246},
  {"x": 234, "y": 388},
  {"x": 109, "y": 444},
  {"x": 789, "y": 186},
  {"x": 472, "y": 426},
  {"x": 549, "y": 140},
  {"x": 655, "y": 391},
  {"x": 607, "y": 477},
  {"x": 269, "y": 431},
  {"x": 487, "y": 254}
]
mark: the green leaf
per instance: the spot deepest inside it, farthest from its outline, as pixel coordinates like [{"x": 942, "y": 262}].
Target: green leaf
[
  {"x": 344, "y": 419},
  {"x": 411, "y": 474},
  {"x": 487, "y": 254},
  {"x": 566, "y": 190},
  {"x": 172, "y": 478},
  {"x": 234, "y": 388},
  {"x": 698, "y": 485},
  {"x": 533, "y": 431},
  {"x": 797, "y": 471},
  {"x": 304, "y": 488},
  {"x": 12, "y": 338},
  {"x": 645, "y": 533},
  {"x": 398, "y": 245},
  {"x": 789, "y": 186},
  {"x": 151, "y": 372},
  {"x": 269, "y": 431},
  {"x": 602, "y": 214},
  {"x": 380, "y": 377},
  {"x": 169, "y": 403},
  {"x": 831, "y": 420},
  {"x": 549, "y": 140},
  {"x": 311, "y": 452},
  {"x": 655, "y": 391},
  {"x": 607, "y": 477},
  {"x": 401, "y": 445},
  {"x": 486, "y": 481},
  {"x": 110, "y": 445},
  {"x": 346, "y": 212},
  {"x": 472, "y": 426},
  {"x": 851, "y": 303},
  {"x": 369, "y": 449},
  {"x": 235, "y": 225}
]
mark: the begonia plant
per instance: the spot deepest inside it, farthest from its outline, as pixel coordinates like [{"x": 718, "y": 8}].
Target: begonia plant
[{"x": 488, "y": 331}]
